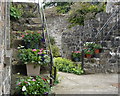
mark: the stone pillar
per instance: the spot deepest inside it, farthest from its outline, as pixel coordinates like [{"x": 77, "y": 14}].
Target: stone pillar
[{"x": 5, "y": 54}]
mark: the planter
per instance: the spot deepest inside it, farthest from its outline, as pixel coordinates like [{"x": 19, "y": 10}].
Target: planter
[
  {"x": 88, "y": 55},
  {"x": 97, "y": 51},
  {"x": 32, "y": 71}
]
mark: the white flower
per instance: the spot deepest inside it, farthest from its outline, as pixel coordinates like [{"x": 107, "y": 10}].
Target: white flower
[
  {"x": 23, "y": 88},
  {"x": 22, "y": 46},
  {"x": 18, "y": 47}
]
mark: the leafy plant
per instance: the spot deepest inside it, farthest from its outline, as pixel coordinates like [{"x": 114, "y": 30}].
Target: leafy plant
[
  {"x": 89, "y": 44},
  {"x": 33, "y": 86},
  {"x": 88, "y": 51},
  {"x": 15, "y": 13},
  {"x": 76, "y": 54},
  {"x": 52, "y": 40},
  {"x": 79, "y": 14},
  {"x": 66, "y": 65},
  {"x": 97, "y": 46},
  {"x": 36, "y": 56},
  {"x": 55, "y": 51}
]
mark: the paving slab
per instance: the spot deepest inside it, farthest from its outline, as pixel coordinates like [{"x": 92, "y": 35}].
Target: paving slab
[{"x": 87, "y": 84}]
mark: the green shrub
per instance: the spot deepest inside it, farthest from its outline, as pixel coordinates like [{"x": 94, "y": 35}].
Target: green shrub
[
  {"x": 15, "y": 12},
  {"x": 68, "y": 66},
  {"x": 55, "y": 51},
  {"x": 52, "y": 40}
]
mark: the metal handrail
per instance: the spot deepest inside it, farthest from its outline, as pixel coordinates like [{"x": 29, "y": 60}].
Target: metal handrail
[
  {"x": 45, "y": 29},
  {"x": 105, "y": 24}
]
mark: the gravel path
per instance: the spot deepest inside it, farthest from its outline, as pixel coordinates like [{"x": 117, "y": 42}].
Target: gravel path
[{"x": 87, "y": 84}]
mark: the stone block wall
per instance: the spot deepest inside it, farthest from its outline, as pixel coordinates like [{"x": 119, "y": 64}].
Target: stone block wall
[
  {"x": 71, "y": 39},
  {"x": 5, "y": 66},
  {"x": 57, "y": 24}
]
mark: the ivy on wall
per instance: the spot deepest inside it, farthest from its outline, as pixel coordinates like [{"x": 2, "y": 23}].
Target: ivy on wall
[
  {"x": 84, "y": 12},
  {"x": 79, "y": 11}
]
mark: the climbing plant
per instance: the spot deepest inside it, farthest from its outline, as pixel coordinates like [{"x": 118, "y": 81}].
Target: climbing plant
[{"x": 84, "y": 11}]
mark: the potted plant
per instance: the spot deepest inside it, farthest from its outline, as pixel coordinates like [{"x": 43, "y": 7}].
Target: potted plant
[
  {"x": 33, "y": 58},
  {"x": 76, "y": 56},
  {"x": 32, "y": 39},
  {"x": 32, "y": 86},
  {"x": 88, "y": 52},
  {"x": 97, "y": 48},
  {"x": 89, "y": 44}
]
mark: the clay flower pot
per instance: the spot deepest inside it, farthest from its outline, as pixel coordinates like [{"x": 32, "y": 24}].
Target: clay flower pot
[
  {"x": 97, "y": 51},
  {"x": 88, "y": 55},
  {"x": 33, "y": 70}
]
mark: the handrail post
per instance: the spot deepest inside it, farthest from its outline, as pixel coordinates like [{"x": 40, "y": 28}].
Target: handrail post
[{"x": 82, "y": 59}]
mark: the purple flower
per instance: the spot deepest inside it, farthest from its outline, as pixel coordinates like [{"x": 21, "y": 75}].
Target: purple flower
[{"x": 43, "y": 40}]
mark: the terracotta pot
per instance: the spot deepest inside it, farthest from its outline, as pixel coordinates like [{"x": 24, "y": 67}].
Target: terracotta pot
[
  {"x": 97, "y": 51},
  {"x": 32, "y": 71},
  {"x": 88, "y": 55}
]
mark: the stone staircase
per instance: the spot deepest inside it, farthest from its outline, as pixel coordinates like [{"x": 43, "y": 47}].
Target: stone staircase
[
  {"x": 32, "y": 24},
  {"x": 108, "y": 61}
]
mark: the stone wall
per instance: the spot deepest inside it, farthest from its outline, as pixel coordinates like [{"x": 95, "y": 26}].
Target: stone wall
[
  {"x": 112, "y": 6},
  {"x": 5, "y": 52},
  {"x": 56, "y": 26},
  {"x": 71, "y": 39}
]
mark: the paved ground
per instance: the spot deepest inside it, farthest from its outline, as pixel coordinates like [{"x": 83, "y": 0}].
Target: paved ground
[{"x": 87, "y": 84}]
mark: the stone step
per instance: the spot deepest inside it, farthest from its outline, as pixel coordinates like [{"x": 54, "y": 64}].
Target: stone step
[
  {"x": 34, "y": 21},
  {"x": 33, "y": 26}
]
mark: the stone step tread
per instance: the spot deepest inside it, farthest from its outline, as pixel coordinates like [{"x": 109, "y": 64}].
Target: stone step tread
[
  {"x": 34, "y": 20},
  {"x": 33, "y": 25}
]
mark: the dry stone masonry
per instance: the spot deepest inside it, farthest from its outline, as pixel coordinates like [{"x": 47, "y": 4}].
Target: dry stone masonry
[
  {"x": 70, "y": 39},
  {"x": 5, "y": 52}
]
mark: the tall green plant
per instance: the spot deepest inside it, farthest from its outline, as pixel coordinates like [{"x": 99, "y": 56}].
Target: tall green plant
[{"x": 15, "y": 13}]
